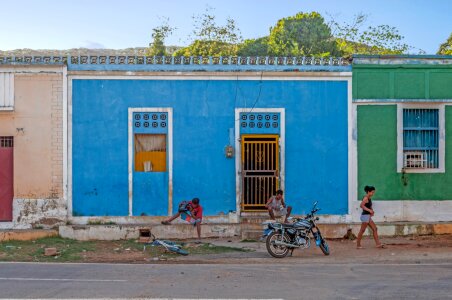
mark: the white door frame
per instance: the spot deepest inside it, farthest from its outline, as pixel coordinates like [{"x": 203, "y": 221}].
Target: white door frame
[{"x": 238, "y": 150}]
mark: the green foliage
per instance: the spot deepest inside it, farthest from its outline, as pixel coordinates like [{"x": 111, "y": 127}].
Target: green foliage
[
  {"x": 378, "y": 40},
  {"x": 446, "y": 47},
  {"x": 159, "y": 34},
  {"x": 208, "y": 48},
  {"x": 302, "y": 34},
  {"x": 254, "y": 47},
  {"x": 211, "y": 39}
]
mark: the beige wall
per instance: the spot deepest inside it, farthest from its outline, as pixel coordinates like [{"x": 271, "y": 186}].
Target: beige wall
[{"x": 37, "y": 126}]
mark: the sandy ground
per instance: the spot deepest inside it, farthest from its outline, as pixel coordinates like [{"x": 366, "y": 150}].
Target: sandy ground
[{"x": 413, "y": 249}]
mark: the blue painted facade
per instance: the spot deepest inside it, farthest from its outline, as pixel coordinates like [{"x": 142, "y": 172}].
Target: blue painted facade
[{"x": 316, "y": 143}]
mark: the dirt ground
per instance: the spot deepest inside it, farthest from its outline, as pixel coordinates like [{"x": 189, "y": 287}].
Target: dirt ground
[{"x": 412, "y": 249}]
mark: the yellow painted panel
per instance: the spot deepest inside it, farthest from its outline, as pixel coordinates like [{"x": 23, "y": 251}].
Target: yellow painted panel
[{"x": 157, "y": 159}]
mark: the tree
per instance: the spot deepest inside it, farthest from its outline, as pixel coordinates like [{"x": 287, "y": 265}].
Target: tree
[
  {"x": 446, "y": 47},
  {"x": 211, "y": 39},
  {"x": 302, "y": 34},
  {"x": 254, "y": 47},
  {"x": 159, "y": 34},
  {"x": 381, "y": 39}
]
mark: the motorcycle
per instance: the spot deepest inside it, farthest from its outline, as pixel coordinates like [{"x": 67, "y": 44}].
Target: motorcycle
[{"x": 282, "y": 238}]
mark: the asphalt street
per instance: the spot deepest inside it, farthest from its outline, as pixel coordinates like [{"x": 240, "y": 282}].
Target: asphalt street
[{"x": 297, "y": 281}]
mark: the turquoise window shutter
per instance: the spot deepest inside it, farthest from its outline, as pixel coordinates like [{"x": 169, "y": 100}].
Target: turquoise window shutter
[{"x": 420, "y": 138}]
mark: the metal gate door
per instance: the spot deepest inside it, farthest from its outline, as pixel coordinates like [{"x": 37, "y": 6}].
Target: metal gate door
[
  {"x": 260, "y": 170},
  {"x": 6, "y": 178}
]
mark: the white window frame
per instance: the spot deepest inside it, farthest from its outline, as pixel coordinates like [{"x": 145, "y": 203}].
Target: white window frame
[
  {"x": 6, "y": 91},
  {"x": 442, "y": 137},
  {"x": 169, "y": 149}
]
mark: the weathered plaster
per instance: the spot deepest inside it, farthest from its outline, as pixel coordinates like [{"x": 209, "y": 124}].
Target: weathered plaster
[
  {"x": 120, "y": 232},
  {"x": 37, "y": 213}
]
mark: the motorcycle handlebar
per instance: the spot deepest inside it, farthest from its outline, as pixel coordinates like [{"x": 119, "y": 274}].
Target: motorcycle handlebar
[{"x": 312, "y": 213}]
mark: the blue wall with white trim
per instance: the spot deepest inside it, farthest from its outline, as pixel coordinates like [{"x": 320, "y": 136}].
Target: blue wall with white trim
[{"x": 203, "y": 114}]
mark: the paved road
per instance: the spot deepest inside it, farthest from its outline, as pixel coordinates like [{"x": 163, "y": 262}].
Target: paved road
[{"x": 298, "y": 281}]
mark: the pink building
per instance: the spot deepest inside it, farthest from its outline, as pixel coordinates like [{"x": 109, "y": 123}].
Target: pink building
[{"x": 32, "y": 147}]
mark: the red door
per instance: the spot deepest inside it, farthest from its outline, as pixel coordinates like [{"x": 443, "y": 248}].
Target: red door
[{"x": 6, "y": 178}]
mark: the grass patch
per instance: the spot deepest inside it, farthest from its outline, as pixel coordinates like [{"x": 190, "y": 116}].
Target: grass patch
[
  {"x": 69, "y": 250},
  {"x": 99, "y": 251},
  {"x": 201, "y": 249},
  {"x": 131, "y": 244}
]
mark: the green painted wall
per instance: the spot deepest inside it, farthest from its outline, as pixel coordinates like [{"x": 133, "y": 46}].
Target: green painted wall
[
  {"x": 402, "y": 81},
  {"x": 377, "y": 159}
]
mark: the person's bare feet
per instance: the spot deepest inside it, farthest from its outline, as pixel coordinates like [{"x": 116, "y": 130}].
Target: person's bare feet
[
  {"x": 381, "y": 246},
  {"x": 165, "y": 223},
  {"x": 359, "y": 247}
]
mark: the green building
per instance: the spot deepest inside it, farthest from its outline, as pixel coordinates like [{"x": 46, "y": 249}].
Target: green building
[{"x": 402, "y": 136}]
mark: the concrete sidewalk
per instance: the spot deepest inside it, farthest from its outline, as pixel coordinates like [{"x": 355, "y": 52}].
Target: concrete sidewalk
[
  {"x": 213, "y": 230},
  {"x": 243, "y": 230}
]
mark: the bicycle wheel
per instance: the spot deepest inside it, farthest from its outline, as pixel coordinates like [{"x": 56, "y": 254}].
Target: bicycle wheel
[{"x": 178, "y": 250}]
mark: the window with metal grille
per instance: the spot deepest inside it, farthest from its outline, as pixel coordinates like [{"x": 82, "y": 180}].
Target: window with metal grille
[
  {"x": 6, "y": 141},
  {"x": 420, "y": 138}
]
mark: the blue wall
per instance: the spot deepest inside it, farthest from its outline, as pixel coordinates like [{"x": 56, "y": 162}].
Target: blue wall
[{"x": 203, "y": 113}]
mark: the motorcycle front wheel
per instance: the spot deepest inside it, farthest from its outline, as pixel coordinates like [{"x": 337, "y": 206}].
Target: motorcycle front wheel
[
  {"x": 278, "y": 251},
  {"x": 324, "y": 247}
]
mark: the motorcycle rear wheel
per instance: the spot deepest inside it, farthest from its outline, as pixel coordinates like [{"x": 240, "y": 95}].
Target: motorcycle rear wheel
[{"x": 277, "y": 251}]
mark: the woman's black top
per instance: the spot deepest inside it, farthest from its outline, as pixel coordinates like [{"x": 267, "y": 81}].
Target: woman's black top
[{"x": 368, "y": 205}]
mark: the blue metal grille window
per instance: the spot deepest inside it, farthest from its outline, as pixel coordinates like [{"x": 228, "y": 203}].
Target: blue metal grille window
[
  {"x": 260, "y": 123},
  {"x": 150, "y": 122},
  {"x": 420, "y": 138}
]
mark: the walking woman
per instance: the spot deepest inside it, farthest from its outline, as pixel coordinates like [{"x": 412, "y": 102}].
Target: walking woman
[{"x": 366, "y": 218}]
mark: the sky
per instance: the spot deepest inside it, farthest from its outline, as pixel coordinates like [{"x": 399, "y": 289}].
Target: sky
[{"x": 65, "y": 24}]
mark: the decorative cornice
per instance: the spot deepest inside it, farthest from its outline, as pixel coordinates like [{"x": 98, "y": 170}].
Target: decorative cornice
[
  {"x": 384, "y": 60},
  {"x": 208, "y": 60},
  {"x": 167, "y": 63},
  {"x": 33, "y": 60}
]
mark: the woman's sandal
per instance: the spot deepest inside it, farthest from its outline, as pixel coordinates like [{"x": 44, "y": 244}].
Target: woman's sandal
[
  {"x": 381, "y": 246},
  {"x": 360, "y": 247}
]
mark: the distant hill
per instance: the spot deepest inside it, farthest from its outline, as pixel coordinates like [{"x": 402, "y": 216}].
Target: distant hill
[{"x": 138, "y": 51}]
